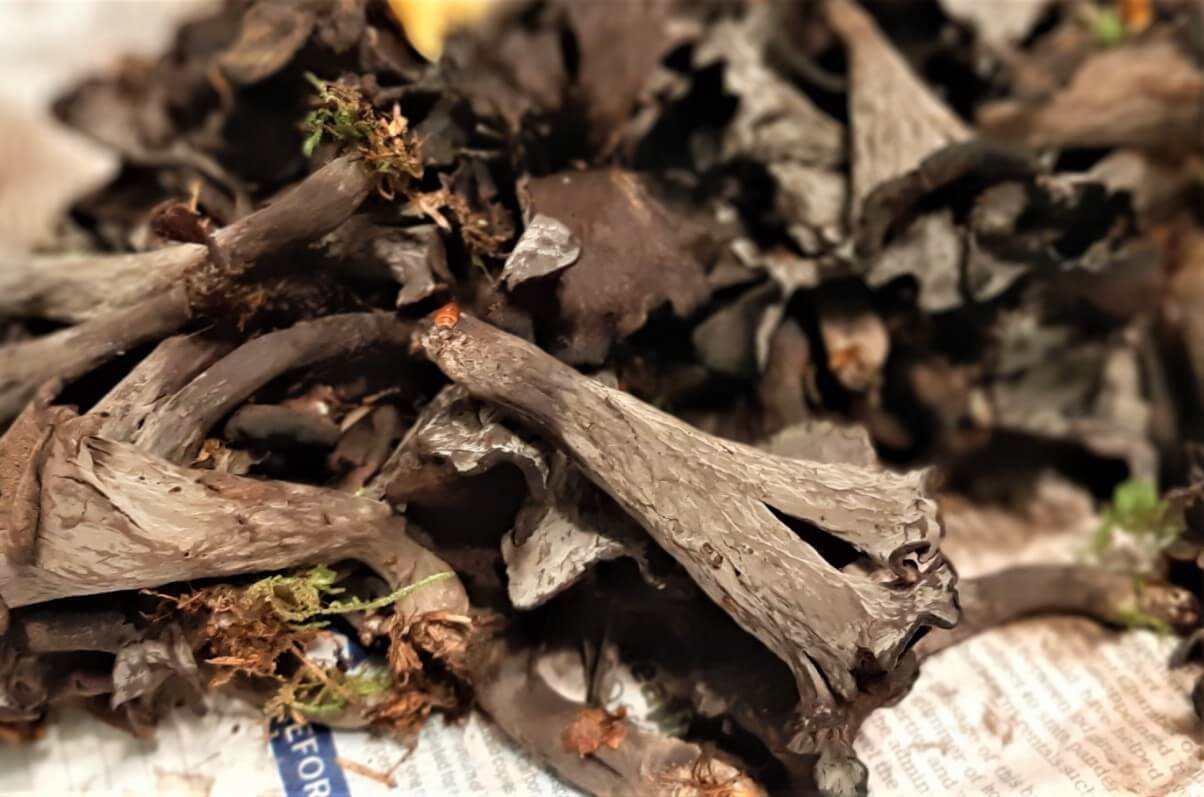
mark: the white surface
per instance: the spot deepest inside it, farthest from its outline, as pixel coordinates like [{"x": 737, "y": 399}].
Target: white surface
[{"x": 46, "y": 45}]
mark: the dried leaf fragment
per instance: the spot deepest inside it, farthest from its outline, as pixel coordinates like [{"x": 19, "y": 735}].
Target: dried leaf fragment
[
  {"x": 774, "y": 121},
  {"x": 558, "y": 537},
  {"x": 270, "y": 35},
  {"x": 1147, "y": 95},
  {"x": 545, "y": 247},
  {"x": 142, "y": 667},
  {"x": 594, "y": 728},
  {"x": 610, "y": 79},
  {"x": 633, "y": 258}
]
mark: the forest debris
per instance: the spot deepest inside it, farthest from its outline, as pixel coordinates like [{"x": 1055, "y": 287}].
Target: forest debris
[
  {"x": 470, "y": 197},
  {"x": 856, "y": 341},
  {"x": 896, "y": 121},
  {"x": 890, "y": 521},
  {"x": 269, "y": 35},
  {"x": 633, "y": 258},
  {"x": 141, "y": 668},
  {"x": 455, "y": 436},
  {"x": 931, "y": 250},
  {"x": 280, "y": 426},
  {"x": 1137, "y": 14},
  {"x": 342, "y": 114},
  {"x": 774, "y": 122},
  {"x": 363, "y": 770},
  {"x": 556, "y": 539},
  {"x": 265, "y": 630},
  {"x": 593, "y": 728},
  {"x": 299, "y": 598},
  {"x": 1147, "y": 95},
  {"x": 546, "y": 246}
]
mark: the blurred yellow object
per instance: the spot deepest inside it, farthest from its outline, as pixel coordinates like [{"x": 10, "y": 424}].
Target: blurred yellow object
[
  {"x": 1137, "y": 14},
  {"x": 427, "y": 23}
]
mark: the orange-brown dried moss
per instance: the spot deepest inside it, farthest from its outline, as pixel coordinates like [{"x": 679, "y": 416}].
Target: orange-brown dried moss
[
  {"x": 261, "y": 632},
  {"x": 341, "y": 113},
  {"x": 594, "y": 728}
]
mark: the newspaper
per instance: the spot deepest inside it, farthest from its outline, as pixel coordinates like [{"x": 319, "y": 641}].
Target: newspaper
[
  {"x": 230, "y": 751},
  {"x": 1046, "y": 707}
]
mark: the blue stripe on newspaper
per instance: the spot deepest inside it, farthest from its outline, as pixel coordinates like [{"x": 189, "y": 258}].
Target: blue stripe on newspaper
[
  {"x": 307, "y": 761},
  {"x": 305, "y": 753}
]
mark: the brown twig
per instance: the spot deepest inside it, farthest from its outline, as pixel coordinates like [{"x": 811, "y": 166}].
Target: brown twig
[
  {"x": 72, "y": 352},
  {"x": 77, "y": 288},
  {"x": 176, "y": 428},
  {"x": 1102, "y": 595},
  {"x": 383, "y": 778},
  {"x": 165, "y": 303},
  {"x": 533, "y": 714},
  {"x": 159, "y": 375}
]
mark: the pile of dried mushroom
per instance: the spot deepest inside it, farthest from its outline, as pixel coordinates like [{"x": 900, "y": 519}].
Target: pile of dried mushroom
[{"x": 615, "y": 323}]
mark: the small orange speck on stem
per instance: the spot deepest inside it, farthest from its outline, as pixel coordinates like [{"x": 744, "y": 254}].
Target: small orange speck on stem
[{"x": 447, "y": 316}]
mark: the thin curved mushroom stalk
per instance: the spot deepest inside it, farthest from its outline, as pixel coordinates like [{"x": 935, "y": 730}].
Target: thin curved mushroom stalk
[
  {"x": 1106, "y": 596},
  {"x": 722, "y": 511},
  {"x": 118, "y": 312},
  {"x": 175, "y": 428}
]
